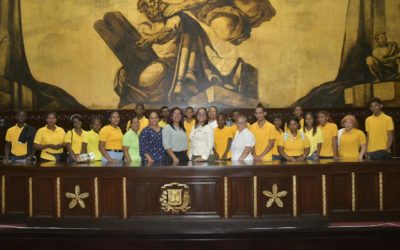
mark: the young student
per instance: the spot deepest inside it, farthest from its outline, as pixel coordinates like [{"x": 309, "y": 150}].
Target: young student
[
  {"x": 294, "y": 145},
  {"x": 50, "y": 140},
  {"x": 265, "y": 135},
  {"x": 150, "y": 141},
  {"x": 130, "y": 142},
  {"x": 223, "y": 136},
  {"x": 278, "y": 122},
  {"x": 380, "y": 132},
  {"x": 212, "y": 117},
  {"x": 174, "y": 138},
  {"x": 110, "y": 140},
  {"x": 243, "y": 142},
  {"x": 353, "y": 142},
  {"x": 15, "y": 150},
  {"x": 164, "y": 114},
  {"x": 92, "y": 137},
  {"x": 297, "y": 112},
  {"x": 314, "y": 135},
  {"x": 329, "y": 132},
  {"x": 140, "y": 112},
  {"x": 75, "y": 140},
  {"x": 189, "y": 120},
  {"x": 201, "y": 138}
]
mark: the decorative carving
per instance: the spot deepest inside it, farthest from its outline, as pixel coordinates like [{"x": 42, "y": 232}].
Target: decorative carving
[
  {"x": 275, "y": 196},
  {"x": 77, "y": 197},
  {"x": 175, "y": 198}
]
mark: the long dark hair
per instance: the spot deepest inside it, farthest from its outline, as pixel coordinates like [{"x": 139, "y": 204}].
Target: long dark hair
[
  {"x": 171, "y": 122},
  {"x": 293, "y": 118},
  {"x": 195, "y": 117},
  {"x": 314, "y": 125}
]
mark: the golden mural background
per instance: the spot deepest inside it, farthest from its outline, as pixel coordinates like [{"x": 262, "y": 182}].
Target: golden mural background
[{"x": 297, "y": 50}]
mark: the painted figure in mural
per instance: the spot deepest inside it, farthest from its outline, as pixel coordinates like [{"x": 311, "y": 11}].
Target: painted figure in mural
[
  {"x": 384, "y": 64},
  {"x": 167, "y": 59}
]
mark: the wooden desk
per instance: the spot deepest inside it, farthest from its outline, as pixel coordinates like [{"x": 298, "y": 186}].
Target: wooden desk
[{"x": 336, "y": 191}]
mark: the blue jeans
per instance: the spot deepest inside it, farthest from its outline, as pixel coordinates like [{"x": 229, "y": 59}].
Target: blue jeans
[
  {"x": 277, "y": 158},
  {"x": 312, "y": 157},
  {"x": 114, "y": 155}
]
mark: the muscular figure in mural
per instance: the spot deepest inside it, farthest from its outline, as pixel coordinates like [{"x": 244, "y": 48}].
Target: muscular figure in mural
[
  {"x": 384, "y": 64},
  {"x": 168, "y": 60}
]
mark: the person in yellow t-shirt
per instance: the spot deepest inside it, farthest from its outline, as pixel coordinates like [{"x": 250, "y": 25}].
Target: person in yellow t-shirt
[
  {"x": 380, "y": 132},
  {"x": 330, "y": 133},
  {"x": 223, "y": 137},
  {"x": 314, "y": 135},
  {"x": 297, "y": 112},
  {"x": 110, "y": 137},
  {"x": 352, "y": 142},
  {"x": 93, "y": 138},
  {"x": 278, "y": 123},
  {"x": 265, "y": 135},
  {"x": 189, "y": 120},
  {"x": 140, "y": 113},
  {"x": 294, "y": 145},
  {"x": 164, "y": 116},
  {"x": 15, "y": 150},
  {"x": 75, "y": 139},
  {"x": 50, "y": 140}
]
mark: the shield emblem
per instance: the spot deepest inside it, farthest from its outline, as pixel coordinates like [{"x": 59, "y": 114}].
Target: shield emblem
[{"x": 175, "y": 197}]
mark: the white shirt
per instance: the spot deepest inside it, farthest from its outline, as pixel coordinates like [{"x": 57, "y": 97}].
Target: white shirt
[
  {"x": 213, "y": 124},
  {"x": 241, "y": 140},
  {"x": 201, "y": 141}
]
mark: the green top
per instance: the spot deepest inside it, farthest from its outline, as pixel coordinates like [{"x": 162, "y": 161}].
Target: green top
[{"x": 131, "y": 140}]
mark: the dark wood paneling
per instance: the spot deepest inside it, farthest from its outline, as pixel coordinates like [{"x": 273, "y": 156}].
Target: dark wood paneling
[
  {"x": 240, "y": 197},
  {"x": 309, "y": 195},
  {"x": 367, "y": 192},
  {"x": 284, "y": 183},
  {"x": 44, "y": 196},
  {"x": 86, "y": 186},
  {"x": 16, "y": 194},
  {"x": 110, "y": 197}
]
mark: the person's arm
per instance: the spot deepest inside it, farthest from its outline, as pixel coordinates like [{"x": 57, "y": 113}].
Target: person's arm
[
  {"x": 319, "y": 147},
  {"x": 245, "y": 153},
  {"x": 7, "y": 149},
  {"x": 284, "y": 155},
  {"x": 216, "y": 154},
  {"x": 384, "y": 59},
  {"x": 84, "y": 148},
  {"x": 70, "y": 151},
  {"x": 164, "y": 35},
  {"x": 228, "y": 148},
  {"x": 103, "y": 151},
  {"x": 334, "y": 147},
  {"x": 362, "y": 151},
  {"x": 126, "y": 154},
  {"x": 390, "y": 135},
  {"x": 305, "y": 154},
  {"x": 167, "y": 143},
  {"x": 143, "y": 146},
  {"x": 266, "y": 150}
]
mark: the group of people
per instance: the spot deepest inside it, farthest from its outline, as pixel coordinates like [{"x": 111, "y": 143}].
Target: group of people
[{"x": 177, "y": 136}]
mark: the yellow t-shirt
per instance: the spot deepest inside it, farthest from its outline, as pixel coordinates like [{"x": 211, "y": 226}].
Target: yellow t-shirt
[
  {"x": 314, "y": 139},
  {"x": 46, "y": 136},
  {"x": 112, "y": 137},
  {"x": 76, "y": 140},
  {"x": 294, "y": 146},
  {"x": 188, "y": 126},
  {"x": 93, "y": 144},
  {"x": 328, "y": 132},
  {"x": 275, "y": 150},
  {"x": 263, "y": 135},
  {"x": 301, "y": 124},
  {"x": 17, "y": 148},
  {"x": 143, "y": 122},
  {"x": 162, "y": 124},
  {"x": 350, "y": 143},
  {"x": 377, "y": 128},
  {"x": 221, "y": 137}
]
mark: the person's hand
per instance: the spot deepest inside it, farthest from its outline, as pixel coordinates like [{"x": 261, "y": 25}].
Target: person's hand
[
  {"x": 199, "y": 159},
  {"x": 291, "y": 159},
  {"x": 173, "y": 9},
  {"x": 146, "y": 40},
  {"x": 175, "y": 159},
  {"x": 302, "y": 158},
  {"x": 336, "y": 157},
  {"x": 257, "y": 158}
]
